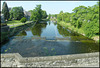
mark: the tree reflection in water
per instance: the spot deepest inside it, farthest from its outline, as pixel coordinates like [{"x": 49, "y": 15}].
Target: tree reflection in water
[
  {"x": 37, "y": 29},
  {"x": 23, "y": 33}
]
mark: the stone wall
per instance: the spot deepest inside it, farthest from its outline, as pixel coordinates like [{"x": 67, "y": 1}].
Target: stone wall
[{"x": 75, "y": 60}]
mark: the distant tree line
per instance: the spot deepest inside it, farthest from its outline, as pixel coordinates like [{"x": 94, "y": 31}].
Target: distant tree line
[
  {"x": 17, "y": 13},
  {"x": 86, "y": 18}
]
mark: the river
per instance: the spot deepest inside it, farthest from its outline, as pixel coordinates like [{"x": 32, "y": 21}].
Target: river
[{"x": 58, "y": 41}]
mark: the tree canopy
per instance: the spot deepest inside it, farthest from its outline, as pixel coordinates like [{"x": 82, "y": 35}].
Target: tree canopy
[
  {"x": 17, "y": 13},
  {"x": 5, "y": 11},
  {"x": 86, "y": 18},
  {"x": 38, "y": 14}
]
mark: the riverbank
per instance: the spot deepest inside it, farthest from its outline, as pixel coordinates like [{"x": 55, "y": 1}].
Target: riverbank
[
  {"x": 16, "y": 23},
  {"x": 80, "y": 31},
  {"x": 14, "y": 30}
]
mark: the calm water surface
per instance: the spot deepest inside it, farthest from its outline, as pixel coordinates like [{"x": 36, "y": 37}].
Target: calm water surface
[{"x": 57, "y": 41}]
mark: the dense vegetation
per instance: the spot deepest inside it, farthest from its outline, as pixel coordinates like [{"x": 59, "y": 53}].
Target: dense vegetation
[
  {"x": 23, "y": 20},
  {"x": 16, "y": 13},
  {"x": 38, "y": 14},
  {"x": 5, "y": 11},
  {"x": 85, "y": 18}
]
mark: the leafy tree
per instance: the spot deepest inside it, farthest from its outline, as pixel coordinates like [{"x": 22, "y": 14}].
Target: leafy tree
[
  {"x": 66, "y": 17},
  {"x": 23, "y": 20},
  {"x": 44, "y": 14},
  {"x": 5, "y": 11},
  {"x": 86, "y": 18},
  {"x": 34, "y": 15},
  {"x": 17, "y": 13},
  {"x": 49, "y": 16},
  {"x": 38, "y": 14},
  {"x": 91, "y": 29},
  {"x": 60, "y": 16}
]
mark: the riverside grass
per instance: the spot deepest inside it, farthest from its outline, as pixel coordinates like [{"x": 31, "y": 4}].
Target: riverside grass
[
  {"x": 15, "y": 23},
  {"x": 80, "y": 31}
]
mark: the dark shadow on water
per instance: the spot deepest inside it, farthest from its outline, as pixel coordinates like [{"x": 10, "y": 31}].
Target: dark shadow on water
[{"x": 22, "y": 33}]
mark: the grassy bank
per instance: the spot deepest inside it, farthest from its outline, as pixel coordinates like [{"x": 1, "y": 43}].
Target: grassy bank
[
  {"x": 14, "y": 30},
  {"x": 80, "y": 31},
  {"x": 15, "y": 23}
]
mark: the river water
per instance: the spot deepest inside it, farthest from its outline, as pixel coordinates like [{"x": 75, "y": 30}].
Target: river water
[{"x": 58, "y": 41}]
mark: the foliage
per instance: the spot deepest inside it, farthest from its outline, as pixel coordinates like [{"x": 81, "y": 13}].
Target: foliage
[
  {"x": 49, "y": 16},
  {"x": 38, "y": 14},
  {"x": 60, "y": 16},
  {"x": 16, "y": 13},
  {"x": 23, "y": 20},
  {"x": 15, "y": 23},
  {"x": 44, "y": 14},
  {"x": 85, "y": 18},
  {"x": 9, "y": 19},
  {"x": 5, "y": 11}
]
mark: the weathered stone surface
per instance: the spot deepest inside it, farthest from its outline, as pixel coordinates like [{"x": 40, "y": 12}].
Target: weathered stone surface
[{"x": 11, "y": 61}]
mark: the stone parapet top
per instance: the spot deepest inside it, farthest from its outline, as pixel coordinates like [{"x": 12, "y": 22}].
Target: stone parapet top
[{"x": 49, "y": 58}]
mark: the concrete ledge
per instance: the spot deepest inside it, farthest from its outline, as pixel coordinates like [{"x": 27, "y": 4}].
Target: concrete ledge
[{"x": 49, "y": 58}]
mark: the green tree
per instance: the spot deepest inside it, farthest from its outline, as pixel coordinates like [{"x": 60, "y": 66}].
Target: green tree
[
  {"x": 39, "y": 13},
  {"x": 5, "y": 11},
  {"x": 17, "y": 13},
  {"x": 49, "y": 16},
  {"x": 60, "y": 16},
  {"x": 44, "y": 14},
  {"x": 36, "y": 14},
  {"x": 85, "y": 18},
  {"x": 23, "y": 20}
]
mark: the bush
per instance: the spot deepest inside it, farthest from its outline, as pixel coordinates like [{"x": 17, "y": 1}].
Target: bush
[
  {"x": 9, "y": 19},
  {"x": 91, "y": 29},
  {"x": 23, "y": 20}
]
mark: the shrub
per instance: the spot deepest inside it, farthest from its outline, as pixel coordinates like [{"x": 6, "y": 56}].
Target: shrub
[
  {"x": 91, "y": 29},
  {"x": 23, "y": 20},
  {"x": 9, "y": 19}
]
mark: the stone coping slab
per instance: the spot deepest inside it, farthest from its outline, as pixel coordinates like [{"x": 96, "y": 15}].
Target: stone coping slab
[{"x": 49, "y": 58}]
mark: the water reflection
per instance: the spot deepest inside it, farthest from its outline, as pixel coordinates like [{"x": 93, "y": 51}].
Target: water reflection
[
  {"x": 74, "y": 44},
  {"x": 22, "y": 33},
  {"x": 65, "y": 32},
  {"x": 49, "y": 22},
  {"x": 37, "y": 29}
]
